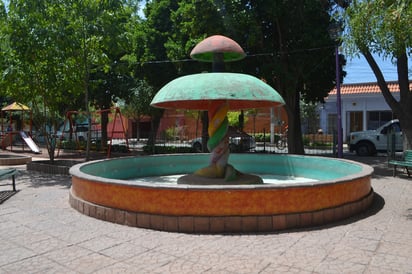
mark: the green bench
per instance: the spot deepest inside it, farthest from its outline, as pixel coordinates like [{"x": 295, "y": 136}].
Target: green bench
[
  {"x": 7, "y": 173},
  {"x": 406, "y": 162}
]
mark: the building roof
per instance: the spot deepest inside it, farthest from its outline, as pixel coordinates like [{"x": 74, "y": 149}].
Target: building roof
[
  {"x": 15, "y": 106},
  {"x": 366, "y": 88}
]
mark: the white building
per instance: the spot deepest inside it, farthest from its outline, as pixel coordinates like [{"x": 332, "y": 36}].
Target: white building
[{"x": 363, "y": 107}]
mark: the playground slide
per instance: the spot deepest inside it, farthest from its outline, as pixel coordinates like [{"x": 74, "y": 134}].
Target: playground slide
[{"x": 29, "y": 141}]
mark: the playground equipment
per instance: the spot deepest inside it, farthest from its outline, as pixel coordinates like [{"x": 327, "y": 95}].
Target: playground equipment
[
  {"x": 78, "y": 132},
  {"x": 16, "y": 128},
  {"x": 29, "y": 141}
]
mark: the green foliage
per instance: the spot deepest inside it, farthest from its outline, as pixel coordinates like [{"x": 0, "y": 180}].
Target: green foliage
[
  {"x": 381, "y": 27},
  {"x": 301, "y": 59},
  {"x": 119, "y": 148},
  {"x": 38, "y": 68},
  {"x": 158, "y": 149},
  {"x": 193, "y": 21},
  {"x": 36, "y": 64},
  {"x": 73, "y": 54},
  {"x": 110, "y": 74},
  {"x": 64, "y": 55},
  {"x": 70, "y": 145},
  {"x": 261, "y": 137},
  {"x": 290, "y": 49},
  {"x": 169, "y": 134},
  {"x": 310, "y": 116},
  {"x": 138, "y": 101},
  {"x": 233, "y": 117},
  {"x": 306, "y": 141}
]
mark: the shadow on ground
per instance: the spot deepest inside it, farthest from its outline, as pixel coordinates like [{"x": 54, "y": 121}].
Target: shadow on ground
[
  {"x": 408, "y": 214},
  {"x": 38, "y": 179},
  {"x": 376, "y": 206},
  {"x": 4, "y": 195},
  {"x": 379, "y": 164}
]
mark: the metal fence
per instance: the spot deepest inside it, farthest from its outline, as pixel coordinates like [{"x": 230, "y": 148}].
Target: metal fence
[{"x": 314, "y": 144}]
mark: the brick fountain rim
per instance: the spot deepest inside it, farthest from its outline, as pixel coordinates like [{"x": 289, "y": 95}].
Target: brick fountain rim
[{"x": 215, "y": 208}]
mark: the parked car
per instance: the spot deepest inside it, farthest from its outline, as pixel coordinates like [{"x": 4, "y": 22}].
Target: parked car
[
  {"x": 239, "y": 141},
  {"x": 369, "y": 142}
]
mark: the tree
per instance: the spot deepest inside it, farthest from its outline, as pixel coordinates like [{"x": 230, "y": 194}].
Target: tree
[
  {"x": 151, "y": 54},
  {"x": 87, "y": 19},
  {"x": 289, "y": 48},
  {"x": 113, "y": 22},
  {"x": 65, "y": 49},
  {"x": 295, "y": 56},
  {"x": 383, "y": 28},
  {"x": 36, "y": 69},
  {"x": 4, "y": 39},
  {"x": 310, "y": 116},
  {"x": 193, "y": 21},
  {"x": 138, "y": 103}
]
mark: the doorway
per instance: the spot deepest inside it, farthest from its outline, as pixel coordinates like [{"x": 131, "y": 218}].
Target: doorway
[{"x": 355, "y": 121}]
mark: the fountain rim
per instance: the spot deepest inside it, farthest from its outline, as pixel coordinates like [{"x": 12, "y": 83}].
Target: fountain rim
[
  {"x": 76, "y": 171},
  {"x": 8, "y": 159}
]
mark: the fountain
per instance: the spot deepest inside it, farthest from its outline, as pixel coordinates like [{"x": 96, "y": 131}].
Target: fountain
[
  {"x": 14, "y": 159},
  {"x": 254, "y": 193}
]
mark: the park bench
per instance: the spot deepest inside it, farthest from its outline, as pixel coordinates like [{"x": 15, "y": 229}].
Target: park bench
[
  {"x": 7, "y": 173},
  {"x": 406, "y": 162}
]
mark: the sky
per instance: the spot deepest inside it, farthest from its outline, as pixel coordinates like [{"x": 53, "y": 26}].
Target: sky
[{"x": 359, "y": 71}]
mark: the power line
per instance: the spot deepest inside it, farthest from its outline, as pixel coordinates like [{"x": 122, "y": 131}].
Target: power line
[{"x": 247, "y": 56}]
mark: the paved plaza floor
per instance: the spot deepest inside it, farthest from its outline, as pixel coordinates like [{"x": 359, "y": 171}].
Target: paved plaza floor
[{"x": 41, "y": 233}]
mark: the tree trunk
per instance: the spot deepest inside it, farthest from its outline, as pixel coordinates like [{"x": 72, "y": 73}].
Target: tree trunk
[
  {"x": 241, "y": 120},
  {"x": 393, "y": 104},
  {"x": 402, "y": 108},
  {"x": 405, "y": 117},
  {"x": 155, "y": 123},
  {"x": 137, "y": 129},
  {"x": 50, "y": 144},
  {"x": 205, "y": 134},
  {"x": 295, "y": 141},
  {"x": 104, "y": 121},
  {"x": 407, "y": 136}
]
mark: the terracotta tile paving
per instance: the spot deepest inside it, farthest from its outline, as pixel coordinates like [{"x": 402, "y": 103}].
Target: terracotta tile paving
[{"x": 41, "y": 233}]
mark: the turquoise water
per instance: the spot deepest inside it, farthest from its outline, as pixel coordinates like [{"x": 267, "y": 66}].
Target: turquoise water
[
  {"x": 267, "y": 179},
  {"x": 273, "y": 166}
]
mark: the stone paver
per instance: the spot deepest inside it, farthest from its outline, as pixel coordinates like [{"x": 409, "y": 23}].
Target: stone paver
[{"x": 41, "y": 233}]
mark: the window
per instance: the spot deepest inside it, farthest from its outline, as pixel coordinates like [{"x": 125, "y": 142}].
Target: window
[
  {"x": 332, "y": 123},
  {"x": 376, "y": 119}
]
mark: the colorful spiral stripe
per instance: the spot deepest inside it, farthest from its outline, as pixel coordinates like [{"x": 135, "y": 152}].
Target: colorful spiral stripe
[{"x": 218, "y": 145}]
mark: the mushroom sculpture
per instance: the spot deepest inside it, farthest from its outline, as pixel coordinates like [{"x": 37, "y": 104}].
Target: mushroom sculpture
[{"x": 217, "y": 92}]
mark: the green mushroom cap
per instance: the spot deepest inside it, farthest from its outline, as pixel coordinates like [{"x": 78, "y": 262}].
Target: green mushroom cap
[{"x": 201, "y": 91}]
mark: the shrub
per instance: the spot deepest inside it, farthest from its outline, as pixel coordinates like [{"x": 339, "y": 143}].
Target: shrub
[
  {"x": 260, "y": 137},
  {"x": 167, "y": 149}
]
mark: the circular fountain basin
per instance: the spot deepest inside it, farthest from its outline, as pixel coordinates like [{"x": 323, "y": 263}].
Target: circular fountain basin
[
  {"x": 298, "y": 191},
  {"x": 14, "y": 159}
]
